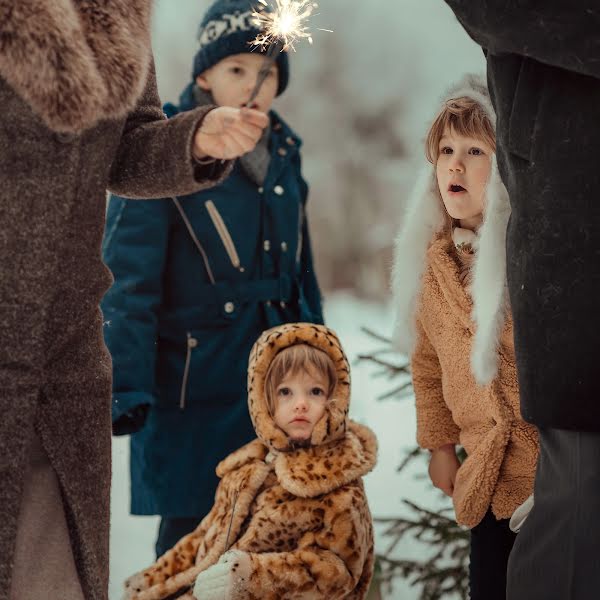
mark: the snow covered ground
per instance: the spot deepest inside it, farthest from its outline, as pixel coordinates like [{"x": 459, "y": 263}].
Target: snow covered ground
[{"x": 132, "y": 538}]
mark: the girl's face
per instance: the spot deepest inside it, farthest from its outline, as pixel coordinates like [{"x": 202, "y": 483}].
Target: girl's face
[
  {"x": 463, "y": 169},
  {"x": 300, "y": 403},
  {"x": 232, "y": 80}
]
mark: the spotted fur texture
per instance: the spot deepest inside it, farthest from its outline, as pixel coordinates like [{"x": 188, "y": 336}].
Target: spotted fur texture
[
  {"x": 76, "y": 63},
  {"x": 300, "y": 514}
]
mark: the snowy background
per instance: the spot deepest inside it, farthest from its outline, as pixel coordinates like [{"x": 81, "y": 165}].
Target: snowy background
[{"x": 361, "y": 98}]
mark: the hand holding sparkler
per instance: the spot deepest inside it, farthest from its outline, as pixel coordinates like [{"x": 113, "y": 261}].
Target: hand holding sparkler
[{"x": 281, "y": 29}]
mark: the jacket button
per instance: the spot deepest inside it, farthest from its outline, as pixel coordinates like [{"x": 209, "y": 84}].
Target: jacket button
[
  {"x": 284, "y": 246},
  {"x": 290, "y": 141},
  {"x": 192, "y": 342},
  {"x": 282, "y": 304},
  {"x": 229, "y": 307},
  {"x": 261, "y": 189},
  {"x": 278, "y": 190},
  {"x": 268, "y": 303},
  {"x": 282, "y": 152},
  {"x": 267, "y": 245}
]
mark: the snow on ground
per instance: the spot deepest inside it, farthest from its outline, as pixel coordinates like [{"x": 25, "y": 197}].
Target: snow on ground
[{"x": 132, "y": 538}]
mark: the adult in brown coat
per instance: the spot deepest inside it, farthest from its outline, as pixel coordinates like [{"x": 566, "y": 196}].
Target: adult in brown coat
[
  {"x": 452, "y": 315},
  {"x": 289, "y": 521},
  {"x": 80, "y": 114}
]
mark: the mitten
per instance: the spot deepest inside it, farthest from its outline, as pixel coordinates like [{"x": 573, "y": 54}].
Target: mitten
[
  {"x": 226, "y": 580},
  {"x": 520, "y": 515}
]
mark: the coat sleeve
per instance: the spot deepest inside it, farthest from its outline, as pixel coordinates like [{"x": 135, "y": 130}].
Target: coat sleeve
[
  {"x": 327, "y": 563},
  {"x": 555, "y": 32},
  {"x": 154, "y": 156},
  {"x": 435, "y": 426},
  {"x": 135, "y": 249}
]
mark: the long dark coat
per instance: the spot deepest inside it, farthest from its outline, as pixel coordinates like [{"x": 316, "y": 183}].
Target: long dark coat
[
  {"x": 179, "y": 341},
  {"x": 80, "y": 114},
  {"x": 544, "y": 76}
]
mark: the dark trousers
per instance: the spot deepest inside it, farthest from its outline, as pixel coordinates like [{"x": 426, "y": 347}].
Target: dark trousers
[
  {"x": 557, "y": 554},
  {"x": 491, "y": 543},
  {"x": 170, "y": 531}
]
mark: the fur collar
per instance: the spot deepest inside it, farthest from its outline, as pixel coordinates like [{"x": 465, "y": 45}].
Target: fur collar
[
  {"x": 311, "y": 472},
  {"x": 332, "y": 425},
  {"x": 423, "y": 220},
  {"x": 76, "y": 62}
]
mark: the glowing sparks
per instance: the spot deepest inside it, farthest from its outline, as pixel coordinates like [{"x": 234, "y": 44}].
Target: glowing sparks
[{"x": 285, "y": 24}]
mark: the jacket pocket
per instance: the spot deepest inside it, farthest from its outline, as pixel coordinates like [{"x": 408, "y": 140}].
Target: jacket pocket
[
  {"x": 192, "y": 343},
  {"x": 224, "y": 234},
  {"x": 525, "y": 108}
]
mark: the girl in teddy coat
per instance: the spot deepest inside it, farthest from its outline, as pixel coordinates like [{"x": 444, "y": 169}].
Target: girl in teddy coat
[
  {"x": 452, "y": 315},
  {"x": 290, "y": 518}
]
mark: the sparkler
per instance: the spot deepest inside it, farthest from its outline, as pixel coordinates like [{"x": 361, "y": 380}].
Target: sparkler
[{"x": 281, "y": 28}]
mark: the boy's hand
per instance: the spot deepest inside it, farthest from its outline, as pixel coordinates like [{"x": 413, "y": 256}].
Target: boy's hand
[
  {"x": 443, "y": 466},
  {"x": 228, "y": 133}
]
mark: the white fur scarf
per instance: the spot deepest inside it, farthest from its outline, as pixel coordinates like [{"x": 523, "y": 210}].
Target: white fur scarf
[{"x": 424, "y": 218}]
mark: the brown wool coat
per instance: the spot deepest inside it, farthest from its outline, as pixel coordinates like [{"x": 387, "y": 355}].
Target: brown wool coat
[
  {"x": 502, "y": 449},
  {"x": 302, "y": 515},
  {"x": 80, "y": 114}
]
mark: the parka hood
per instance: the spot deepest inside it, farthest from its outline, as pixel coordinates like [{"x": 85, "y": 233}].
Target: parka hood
[{"x": 424, "y": 218}]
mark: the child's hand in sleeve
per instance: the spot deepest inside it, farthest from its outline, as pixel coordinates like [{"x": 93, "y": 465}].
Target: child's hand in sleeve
[
  {"x": 225, "y": 580},
  {"x": 228, "y": 133},
  {"x": 443, "y": 467}
]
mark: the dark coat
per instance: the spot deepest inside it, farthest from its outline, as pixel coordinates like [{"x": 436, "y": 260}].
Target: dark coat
[
  {"x": 544, "y": 76},
  {"x": 75, "y": 121},
  {"x": 179, "y": 341}
]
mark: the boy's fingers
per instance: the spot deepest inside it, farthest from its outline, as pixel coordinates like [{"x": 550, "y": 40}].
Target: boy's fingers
[{"x": 257, "y": 118}]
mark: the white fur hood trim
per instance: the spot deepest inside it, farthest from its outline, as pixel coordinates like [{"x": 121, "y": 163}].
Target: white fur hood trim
[{"x": 424, "y": 218}]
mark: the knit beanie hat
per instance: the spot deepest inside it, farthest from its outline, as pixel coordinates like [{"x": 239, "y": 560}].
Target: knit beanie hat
[{"x": 228, "y": 28}]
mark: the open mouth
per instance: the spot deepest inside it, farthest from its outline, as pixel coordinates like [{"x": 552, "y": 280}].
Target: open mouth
[
  {"x": 253, "y": 105},
  {"x": 455, "y": 188}
]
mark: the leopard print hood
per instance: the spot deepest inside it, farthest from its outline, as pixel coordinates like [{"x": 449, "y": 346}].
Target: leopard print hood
[{"x": 333, "y": 424}]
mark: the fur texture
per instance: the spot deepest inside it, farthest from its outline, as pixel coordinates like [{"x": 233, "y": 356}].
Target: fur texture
[
  {"x": 75, "y": 63},
  {"x": 300, "y": 515},
  {"x": 424, "y": 218},
  {"x": 452, "y": 408}
]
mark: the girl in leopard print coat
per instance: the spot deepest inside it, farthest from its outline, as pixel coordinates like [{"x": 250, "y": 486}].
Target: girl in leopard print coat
[{"x": 290, "y": 518}]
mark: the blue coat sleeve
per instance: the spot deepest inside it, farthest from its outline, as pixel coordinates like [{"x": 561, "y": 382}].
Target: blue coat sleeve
[
  {"x": 135, "y": 249},
  {"x": 309, "y": 283}
]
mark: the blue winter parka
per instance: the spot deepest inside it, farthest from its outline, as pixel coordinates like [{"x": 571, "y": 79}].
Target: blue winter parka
[{"x": 197, "y": 280}]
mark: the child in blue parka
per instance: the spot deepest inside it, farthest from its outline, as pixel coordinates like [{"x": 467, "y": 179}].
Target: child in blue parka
[{"x": 197, "y": 279}]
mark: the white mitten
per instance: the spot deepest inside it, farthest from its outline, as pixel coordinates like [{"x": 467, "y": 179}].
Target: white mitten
[
  {"x": 226, "y": 580},
  {"x": 520, "y": 515},
  {"x": 134, "y": 584}
]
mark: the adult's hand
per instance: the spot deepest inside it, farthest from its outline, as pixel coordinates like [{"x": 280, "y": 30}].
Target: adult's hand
[{"x": 228, "y": 133}]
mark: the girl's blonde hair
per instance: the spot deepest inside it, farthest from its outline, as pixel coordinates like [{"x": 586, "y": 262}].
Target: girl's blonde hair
[
  {"x": 466, "y": 117},
  {"x": 292, "y": 360}
]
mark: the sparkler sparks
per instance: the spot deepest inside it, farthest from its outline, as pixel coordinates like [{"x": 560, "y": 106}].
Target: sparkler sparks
[{"x": 285, "y": 25}]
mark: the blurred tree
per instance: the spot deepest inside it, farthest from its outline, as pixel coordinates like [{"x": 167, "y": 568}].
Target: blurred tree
[{"x": 443, "y": 573}]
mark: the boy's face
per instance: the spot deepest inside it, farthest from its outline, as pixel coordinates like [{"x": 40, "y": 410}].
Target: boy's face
[
  {"x": 300, "y": 402},
  {"x": 463, "y": 169},
  {"x": 232, "y": 80}
]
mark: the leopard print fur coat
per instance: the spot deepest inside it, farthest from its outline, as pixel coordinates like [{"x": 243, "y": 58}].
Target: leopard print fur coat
[{"x": 301, "y": 515}]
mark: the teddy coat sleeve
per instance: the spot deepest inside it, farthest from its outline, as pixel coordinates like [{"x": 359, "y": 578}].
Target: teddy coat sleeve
[
  {"x": 154, "y": 157},
  {"x": 135, "y": 249},
  {"x": 435, "y": 426},
  {"x": 558, "y": 33},
  {"x": 326, "y": 564}
]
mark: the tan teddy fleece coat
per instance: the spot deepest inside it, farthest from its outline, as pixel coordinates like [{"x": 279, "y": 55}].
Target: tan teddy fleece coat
[
  {"x": 302, "y": 515},
  {"x": 502, "y": 449}
]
